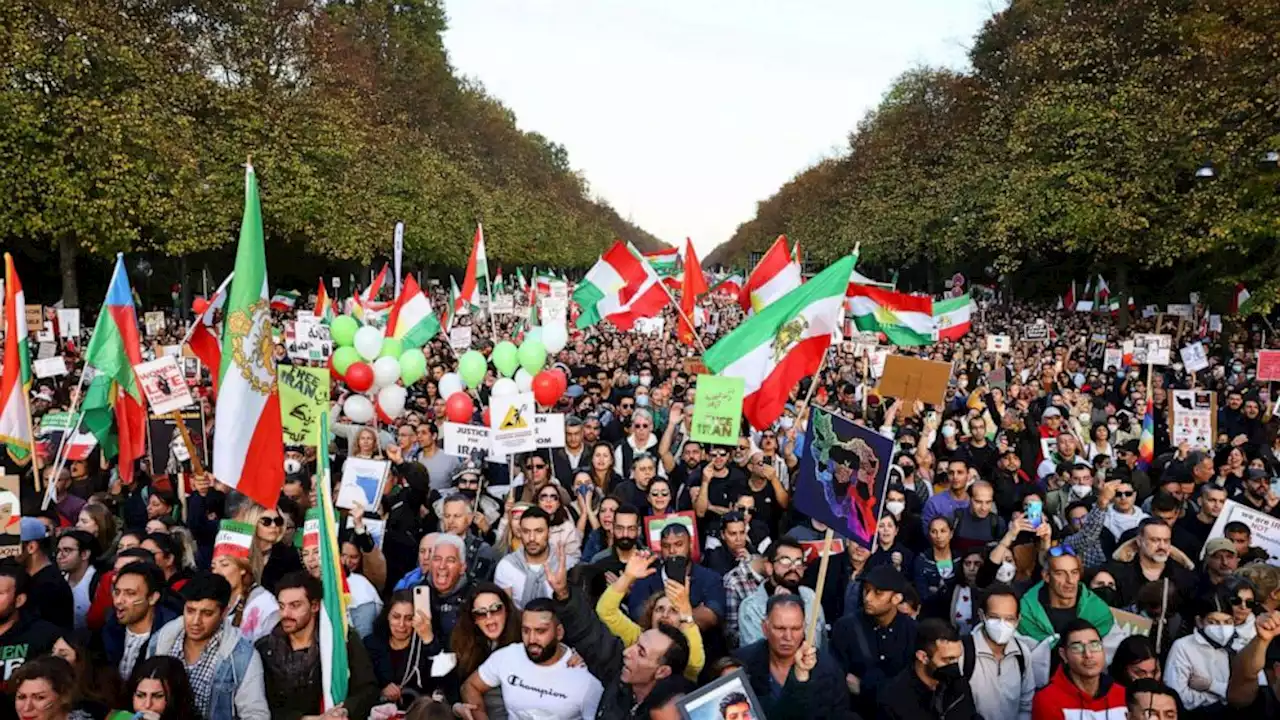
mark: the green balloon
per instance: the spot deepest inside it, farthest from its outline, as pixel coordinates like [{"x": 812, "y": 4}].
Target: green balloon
[
  {"x": 343, "y": 330},
  {"x": 343, "y": 357},
  {"x": 391, "y": 347},
  {"x": 413, "y": 365},
  {"x": 506, "y": 358},
  {"x": 472, "y": 367},
  {"x": 533, "y": 355}
]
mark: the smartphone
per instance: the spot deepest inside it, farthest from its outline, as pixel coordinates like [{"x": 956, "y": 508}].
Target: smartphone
[
  {"x": 422, "y": 599},
  {"x": 583, "y": 490},
  {"x": 1035, "y": 513},
  {"x": 676, "y": 568}
]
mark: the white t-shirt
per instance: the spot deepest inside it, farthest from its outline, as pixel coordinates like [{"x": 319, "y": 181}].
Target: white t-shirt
[
  {"x": 80, "y": 594},
  {"x": 509, "y": 576},
  {"x": 536, "y": 692}
]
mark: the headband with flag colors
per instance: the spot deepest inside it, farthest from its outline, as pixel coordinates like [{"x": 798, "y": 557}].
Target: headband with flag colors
[
  {"x": 248, "y": 452},
  {"x": 477, "y": 270},
  {"x": 774, "y": 276},
  {"x": 201, "y": 337},
  {"x": 620, "y": 288},
  {"x": 335, "y": 671},
  {"x": 114, "y": 398},
  {"x": 693, "y": 284},
  {"x": 412, "y": 321},
  {"x": 15, "y": 382},
  {"x": 234, "y": 539},
  {"x": 783, "y": 343}
]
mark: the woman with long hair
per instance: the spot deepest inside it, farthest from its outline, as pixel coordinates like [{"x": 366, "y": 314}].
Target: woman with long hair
[
  {"x": 889, "y": 550},
  {"x": 97, "y": 520},
  {"x": 664, "y": 607},
  {"x": 253, "y": 609},
  {"x": 44, "y": 689},
  {"x": 1134, "y": 659},
  {"x": 360, "y": 554},
  {"x": 601, "y": 537},
  {"x": 270, "y": 557},
  {"x": 660, "y": 497},
  {"x": 95, "y": 685},
  {"x": 160, "y": 690},
  {"x": 935, "y": 571},
  {"x": 366, "y": 444},
  {"x": 402, "y": 647},
  {"x": 564, "y": 533},
  {"x": 491, "y": 622},
  {"x": 603, "y": 474}
]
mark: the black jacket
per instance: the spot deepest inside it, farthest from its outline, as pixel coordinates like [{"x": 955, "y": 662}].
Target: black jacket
[
  {"x": 907, "y": 698},
  {"x": 1129, "y": 580},
  {"x": 29, "y": 638},
  {"x": 416, "y": 680},
  {"x": 824, "y": 697},
  {"x": 49, "y": 598},
  {"x": 405, "y": 524},
  {"x": 873, "y": 655}
]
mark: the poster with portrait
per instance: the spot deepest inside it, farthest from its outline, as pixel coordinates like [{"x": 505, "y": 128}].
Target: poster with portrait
[
  {"x": 654, "y": 525},
  {"x": 167, "y": 450},
  {"x": 842, "y": 476},
  {"x": 1195, "y": 413},
  {"x": 729, "y": 698}
]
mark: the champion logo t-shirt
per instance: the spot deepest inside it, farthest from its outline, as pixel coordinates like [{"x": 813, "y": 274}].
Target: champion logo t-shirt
[{"x": 535, "y": 692}]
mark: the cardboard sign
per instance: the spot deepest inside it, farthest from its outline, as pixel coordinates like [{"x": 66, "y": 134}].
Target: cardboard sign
[
  {"x": 467, "y": 441},
  {"x": 35, "y": 318},
  {"x": 503, "y": 304},
  {"x": 1035, "y": 332},
  {"x": 1151, "y": 349},
  {"x": 1131, "y": 624},
  {"x": 363, "y": 481},
  {"x": 1194, "y": 418},
  {"x": 1112, "y": 359},
  {"x": 153, "y": 322},
  {"x": 999, "y": 343},
  {"x": 1194, "y": 358},
  {"x": 653, "y": 526},
  {"x": 69, "y": 323},
  {"x": 167, "y": 450},
  {"x": 10, "y": 516},
  {"x": 1268, "y": 365},
  {"x": 164, "y": 385},
  {"x": 511, "y": 419},
  {"x": 304, "y": 397},
  {"x": 1181, "y": 310},
  {"x": 460, "y": 338},
  {"x": 911, "y": 379},
  {"x": 717, "y": 415},
  {"x": 1264, "y": 529},
  {"x": 50, "y": 367}
]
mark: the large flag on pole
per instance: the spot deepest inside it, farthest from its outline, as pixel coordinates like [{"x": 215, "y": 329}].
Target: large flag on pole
[
  {"x": 248, "y": 448},
  {"x": 773, "y": 349},
  {"x": 114, "y": 393},
  {"x": 774, "y": 276},
  {"x": 335, "y": 671},
  {"x": 905, "y": 320},
  {"x": 952, "y": 317},
  {"x": 693, "y": 285},
  {"x": 477, "y": 268},
  {"x": 15, "y": 383},
  {"x": 620, "y": 288},
  {"x": 201, "y": 337},
  {"x": 665, "y": 262},
  {"x": 324, "y": 306},
  {"x": 412, "y": 322}
]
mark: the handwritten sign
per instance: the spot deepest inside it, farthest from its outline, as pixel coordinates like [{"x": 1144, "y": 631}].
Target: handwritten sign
[
  {"x": 304, "y": 396},
  {"x": 35, "y": 318},
  {"x": 1035, "y": 332},
  {"x": 163, "y": 384},
  {"x": 717, "y": 415},
  {"x": 50, "y": 367}
]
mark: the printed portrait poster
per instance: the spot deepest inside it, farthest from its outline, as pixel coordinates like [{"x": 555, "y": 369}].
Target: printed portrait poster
[
  {"x": 10, "y": 516},
  {"x": 655, "y": 524},
  {"x": 1195, "y": 414},
  {"x": 729, "y": 698},
  {"x": 167, "y": 450},
  {"x": 842, "y": 476}
]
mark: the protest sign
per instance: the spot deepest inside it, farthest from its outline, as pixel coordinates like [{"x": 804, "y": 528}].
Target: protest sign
[
  {"x": 548, "y": 432},
  {"x": 654, "y": 524},
  {"x": 460, "y": 338},
  {"x": 468, "y": 441},
  {"x": 1035, "y": 332},
  {"x": 50, "y": 367},
  {"x": 717, "y": 415},
  {"x": 153, "y": 322},
  {"x": 1215, "y": 323},
  {"x": 999, "y": 343},
  {"x": 813, "y": 549},
  {"x": 69, "y": 323},
  {"x": 1128, "y": 623},
  {"x": 307, "y": 339},
  {"x": 1151, "y": 349},
  {"x": 704, "y": 703},
  {"x": 1112, "y": 359},
  {"x": 1268, "y": 365},
  {"x": 46, "y": 350},
  {"x": 842, "y": 474},
  {"x": 363, "y": 480},
  {"x": 377, "y": 529},
  {"x": 553, "y": 309},
  {"x": 503, "y": 304},
  {"x": 55, "y": 421},
  {"x": 1181, "y": 310},
  {"x": 304, "y": 397},
  {"x": 173, "y": 351},
  {"x": 35, "y": 318},
  {"x": 910, "y": 379},
  {"x": 1264, "y": 530},
  {"x": 168, "y": 452},
  {"x": 878, "y": 357},
  {"x": 163, "y": 384},
  {"x": 1150, "y": 311},
  {"x": 649, "y": 326},
  {"x": 1194, "y": 418},
  {"x": 10, "y": 516},
  {"x": 46, "y": 334},
  {"x": 511, "y": 419},
  {"x": 1084, "y": 306},
  {"x": 1194, "y": 358}
]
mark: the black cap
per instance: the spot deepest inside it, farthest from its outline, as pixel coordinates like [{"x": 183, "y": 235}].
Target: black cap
[
  {"x": 883, "y": 577},
  {"x": 1256, "y": 474},
  {"x": 1130, "y": 446}
]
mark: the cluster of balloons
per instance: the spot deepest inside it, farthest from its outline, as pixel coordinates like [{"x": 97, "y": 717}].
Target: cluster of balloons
[
  {"x": 521, "y": 370},
  {"x": 372, "y": 364}
]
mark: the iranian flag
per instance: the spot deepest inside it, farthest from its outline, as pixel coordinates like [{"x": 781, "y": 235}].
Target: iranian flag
[
  {"x": 335, "y": 672},
  {"x": 324, "y": 306},
  {"x": 201, "y": 336},
  {"x": 412, "y": 322},
  {"x": 905, "y": 320},
  {"x": 783, "y": 343},
  {"x": 665, "y": 262},
  {"x": 952, "y": 317},
  {"x": 521, "y": 282},
  {"x": 284, "y": 300},
  {"x": 731, "y": 285},
  {"x": 368, "y": 298},
  {"x": 15, "y": 382},
  {"x": 498, "y": 285},
  {"x": 620, "y": 288},
  {"x": 477, "y": 270},
  {"x": 248, "y": 402},
  {"x": 1239, "y": 300},
  {"x": 774, "y": 276}
]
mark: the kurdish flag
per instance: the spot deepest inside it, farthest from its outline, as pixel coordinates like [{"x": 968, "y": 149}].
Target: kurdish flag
[
  {"x": 248, "y": 449},
  {"x": 1147, "y": 440},
  {"x": 412, "y": 321},
  {"x": 335, "y": 671},
  {"x": 284, "y": 300},
  {"x": 477, "y": 269},
  {"x": 114, "y": 393},
  {"x": 15, "y": 383},
  {"x": 782, "y": 343},
  {"x": 620, "y": 288},
  {"x": 952, "y": 317},
  {"x": 905, "y": 320},
  {"x": 664, "y": 262},
  {"x": 324, "y": 306}
]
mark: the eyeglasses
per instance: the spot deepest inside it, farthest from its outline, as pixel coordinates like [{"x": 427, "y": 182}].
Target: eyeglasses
[
  {"x": 1080, "y": 648},
  {"x": 626, "y": 406},
  {"x": 268, "y": 521},
  {"x": 1060, "y": 550},
  {"x": 1236, "y": 601},
  {"x": 484, "y": 612},
  {"x": 787, "y": 562}
]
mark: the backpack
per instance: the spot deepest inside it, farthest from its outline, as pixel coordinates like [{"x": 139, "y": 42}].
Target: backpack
[{"x": 971, "y": 657}]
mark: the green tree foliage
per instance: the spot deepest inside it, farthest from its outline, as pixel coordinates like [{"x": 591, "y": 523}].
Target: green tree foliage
[
  {"x": 125, "y": 124},
  {"x": 1071, "y": 146}
]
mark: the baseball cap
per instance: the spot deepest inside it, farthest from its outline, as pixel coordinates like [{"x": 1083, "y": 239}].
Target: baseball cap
[
  {"x": 1051, "y": 411},
  {"x": 1218, "y": 545},
  {"x": 1257, "y": 474},
  {"x": 33, "y": 529},
  {"x": 883, "y": 577},
  {"x": 1130, "y": 446}
]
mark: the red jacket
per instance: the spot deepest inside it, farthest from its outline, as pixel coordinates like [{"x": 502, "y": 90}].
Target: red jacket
[{"x": 1060, "y": 695}]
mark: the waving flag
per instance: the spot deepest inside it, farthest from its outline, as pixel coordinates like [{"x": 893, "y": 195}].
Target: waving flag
[
  {"x": 620, "y": 288},
  {"x": 114, "y": 396},
  {"x": 368, "y": 298},
  {"x": 906, "y": 320},
  {"x": 335, "y": 671},
  {"x": 774, "y": 276},
  {"x": 665, "y": 262},
  {"x": 477, "y": 273},
  {"x": 499, "y": 286},
  {"x": 521, "y": 282},
  {"x": 15, "y": 383},
  {"x": 1147, "y": 440},
  {"x": 412, "y": 321},
  {"x": 248, "y": 449},
  {"x": 324, "y": 306},
  {"x": 694, "y": 284},
  {"x": 952, "y": 317},
  {"x": 201, "y": 337},
  {"x": 284, "y": 300}
]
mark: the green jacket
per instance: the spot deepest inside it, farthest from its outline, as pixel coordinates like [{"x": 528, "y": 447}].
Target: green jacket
[{"x": 1035, "y": 621}]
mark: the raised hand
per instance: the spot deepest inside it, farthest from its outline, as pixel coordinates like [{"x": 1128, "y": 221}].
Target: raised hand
[{"x": 640, "y": 565}]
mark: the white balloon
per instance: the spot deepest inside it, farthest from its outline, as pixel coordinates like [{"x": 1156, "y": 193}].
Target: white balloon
[
  {"x": 368, "y": 342},
  {"x": 555, "y": 337},
  {"x": 358, "y": 408},
  {"x": 391, "y": 399},
  {"x": 386, "y": 371},
  {"x": 449, "y": 384},
  {"x": 524, "y": 380},
  {"x": 504, "y": 387},
  {"x": 535, "y": 333}
]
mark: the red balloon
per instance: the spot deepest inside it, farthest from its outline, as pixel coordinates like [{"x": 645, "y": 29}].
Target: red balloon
[
  {"x": 546, "y": 388},
  {"x": 485, "y": 417},
  {"x": 199, "y": 305},
  {"x": 359, "y": 376},
  {"x": 459, "y": 408},
  {"x": 562, "y": 379},
  {"x": 333, "y": 371}
]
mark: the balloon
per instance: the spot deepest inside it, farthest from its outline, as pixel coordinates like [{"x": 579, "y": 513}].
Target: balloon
[
  {"x": 504, "y": 387},
  {"x": 459, "y": 408},
  {"x": 391, "y": 347},
  {"x": 359, "y": 377},
  {"x": 358, "y": 409},
  {"x": 524, "y": 380},
  {"x": 562, "y": 380},
  {"x": 342, "y": 330},
  {"x": 534, "y": 333},
  {"x": 386, "y": 371},
  {"x": 555, "y": 337},
  {"x": 368, "y": 342},
  {"x": 383, "y": 417},
  {"x": 333, "y": 371},
  {"x": 343, "y": 358},
  {"x": 505, "y": 358},
  {"x": 449, "y": 384},
  {"x": 533, "y": 355},
  {"x": 471, "y": 368},
  {"x": 413, "y": 365},
  {"x": 546, "y": 388},
  {"x": 391, "y": 400},
  {"x": 199, "y": 305},
  {"x": 485, "y": 417}
]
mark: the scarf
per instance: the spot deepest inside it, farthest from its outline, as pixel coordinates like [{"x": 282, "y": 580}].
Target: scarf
[
  {"x": 1119, "y": 523},
  {"x": 200, "y": 674},
  {"x": 534, "y": 579}
]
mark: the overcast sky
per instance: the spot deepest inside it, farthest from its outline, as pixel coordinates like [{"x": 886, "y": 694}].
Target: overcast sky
[{"x": 684, "y": 114}]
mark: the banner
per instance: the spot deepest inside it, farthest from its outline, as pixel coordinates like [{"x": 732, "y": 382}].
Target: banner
[
  {"x": 1194, "y": 418},
  {"x": 842, "y": 475},
  {"x": 460, "y": 338},
  {"x": 1268, "y": 365},
  {"x": 467, "y": 441},
  {"x": 304, "y": 397},
  {"x": 717, "y": 415},
  {"x": 164, "y": 385},
  {"x": 1264, "y": 530}
]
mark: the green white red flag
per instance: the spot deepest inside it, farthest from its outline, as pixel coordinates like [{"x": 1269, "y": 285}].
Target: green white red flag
[
  {"x": 15, "y": 382},
  {"x": 477, "y": 275},
  {"x": 621, "y": 288}
]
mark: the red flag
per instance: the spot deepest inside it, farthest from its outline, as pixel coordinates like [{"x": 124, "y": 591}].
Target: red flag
[{"x": 694, "y": 285}]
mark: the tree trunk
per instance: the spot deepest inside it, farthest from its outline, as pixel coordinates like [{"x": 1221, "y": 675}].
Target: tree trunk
[
  {"x": 67, "y": 251},
  {"x": 1122, "y": 287}
]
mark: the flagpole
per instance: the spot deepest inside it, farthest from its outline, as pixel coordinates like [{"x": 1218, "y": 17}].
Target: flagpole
[
  {"x": 31, "y": 433},
  {"x": 696, "y": 337},
  {"x": 58, "y": 459}
]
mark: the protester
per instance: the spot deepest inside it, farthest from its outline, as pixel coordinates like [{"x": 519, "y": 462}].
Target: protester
[
  {"x": 810, "y": 684},
  {"x": 996, "y": 663},
  {"x": 876, "y": 644},
  {"x": 933, "y": 686},
  {"x": 488, "y": 626},
  {"x": 1080, "y": 684},
  {"x": 671, "y": 607},
  {"x": 139, "y": 615},
  {"x": 784, "y": 565},
  {"x": 402, "y": 649}
]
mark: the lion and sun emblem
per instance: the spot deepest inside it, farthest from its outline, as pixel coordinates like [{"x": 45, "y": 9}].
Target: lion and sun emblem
[{"x": 252, "y": 346}]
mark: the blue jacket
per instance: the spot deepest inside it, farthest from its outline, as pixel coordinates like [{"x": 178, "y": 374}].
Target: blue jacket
[
  {"x": 239, "y": 684},
  {"x": 113, "y": 634},
  {"x": 706, "y": 588}
]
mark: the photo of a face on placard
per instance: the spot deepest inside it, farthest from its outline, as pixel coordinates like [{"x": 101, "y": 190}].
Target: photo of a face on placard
[{"x": 729, "y": 698}]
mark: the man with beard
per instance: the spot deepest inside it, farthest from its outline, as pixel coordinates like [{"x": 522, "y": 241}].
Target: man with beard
[
  {"x": 607, "y": 566},
  {"x": 706, "y": 588},
  {"x": 522, "y": 573},
  {"x": 534, "y": 676},
  {"x": 721, "y": 482},
  {"x": 1192, "y": 531},
  {"x": 784, "y": 568},
  {"x": 1256, "y": 493},
  {"x": 933, "y": 686},
  {"x": 1152, "y": 564},
  {"x": 23, "y": 636}
]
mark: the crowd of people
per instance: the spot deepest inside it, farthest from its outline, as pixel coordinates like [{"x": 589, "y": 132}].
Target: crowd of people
[{"x": 536, "y": 589}]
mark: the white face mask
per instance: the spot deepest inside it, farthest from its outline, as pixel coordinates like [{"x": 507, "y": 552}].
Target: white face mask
[
  {"x": 785, "y": 422},
  {"x": 1081, "y": 491},
  {"x": 645, "y": 380},
  {"x": 292, "y": 466},
  {"x": 1220, "y": 634},
  {"x": 1006, "y": 572},
  {"x": 999, "y": 631},
  {"x": 895, "y": 507},
  {"x": 948, "y": 431}
]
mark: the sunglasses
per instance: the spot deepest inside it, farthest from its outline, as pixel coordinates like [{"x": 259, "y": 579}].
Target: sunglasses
[
  {"x": 1238, "y": 601},
  {"x": 484, "y": 612},
  {"x": 1060, "y": 550},
  {"x": 659, "y": 494},
  {"x": 268, "y": 521},
  {"x": 1126, "y": 493},
  {"x": 744, "y": 510},
  {"x": 536, "y": 466},
  {"x": 627, "y": 406},
  {"x": 719, "y": 453},
  {"x": 549, "y": 496},
  {"x": 640, "y": 425}
]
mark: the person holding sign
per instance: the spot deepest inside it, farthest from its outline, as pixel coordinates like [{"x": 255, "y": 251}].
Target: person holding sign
[
  {"x": 784, "y": 568},
  {"x": 810, "y": 679}
]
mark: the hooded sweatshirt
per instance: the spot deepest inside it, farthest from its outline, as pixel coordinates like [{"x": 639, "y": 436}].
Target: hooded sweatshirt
[
  {"x": 1061, "y": 699},
  {"x": 1035, "y": 621}
]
